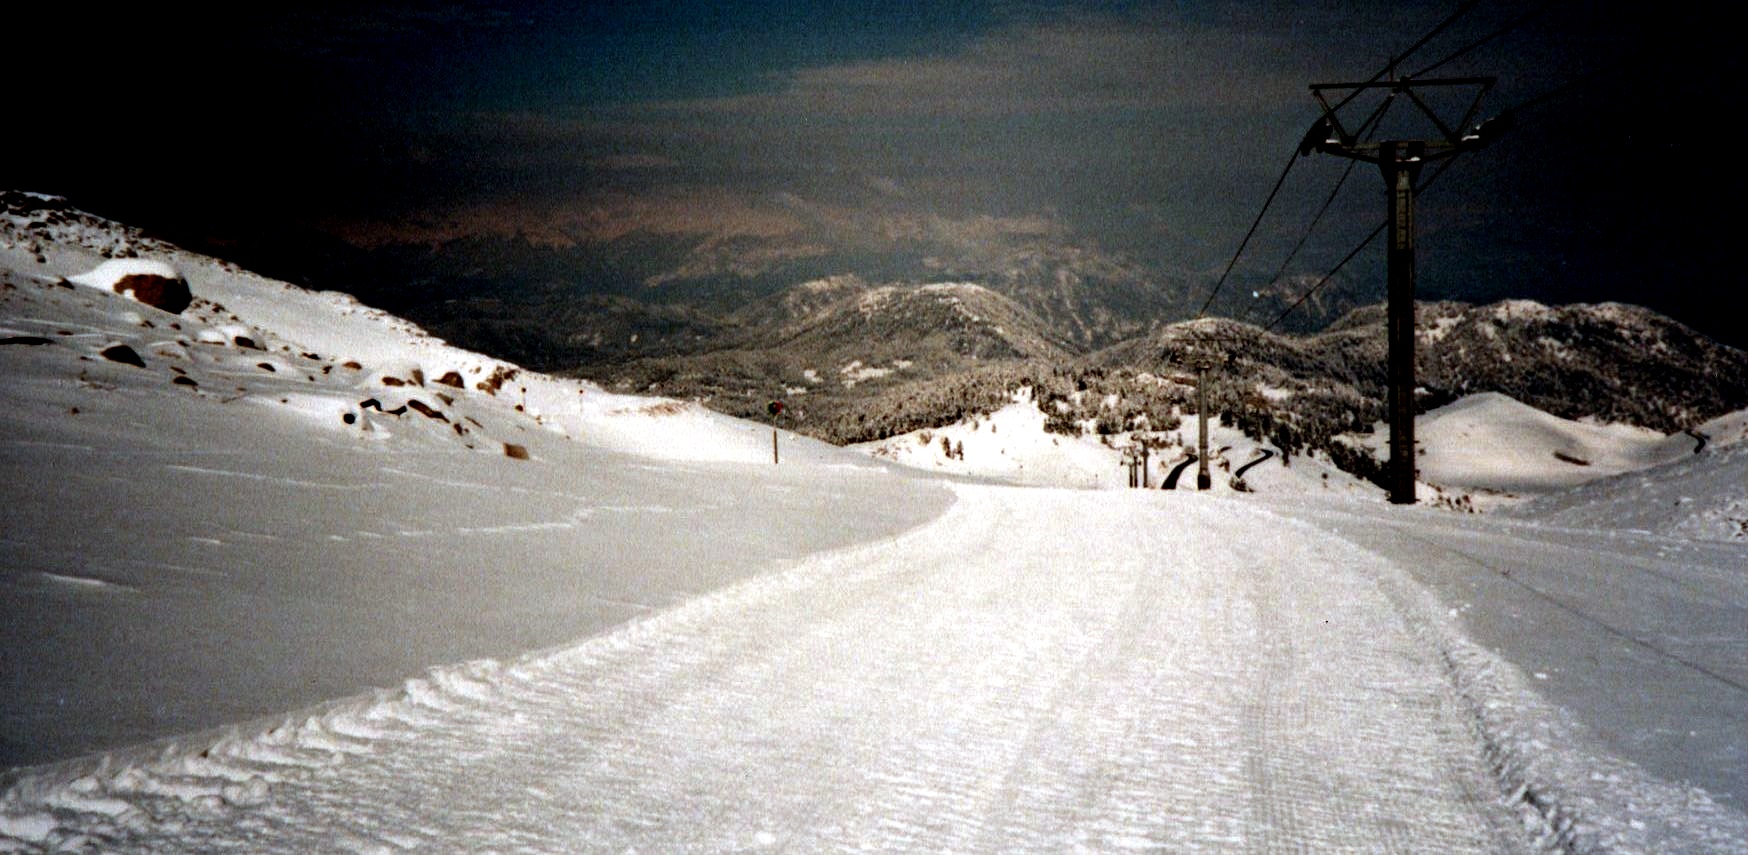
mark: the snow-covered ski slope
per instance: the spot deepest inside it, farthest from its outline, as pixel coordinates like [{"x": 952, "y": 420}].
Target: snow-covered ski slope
[
  {"x": 261, "y": 517},
  {"x": 387, "y": 633},
  {"x": 983, "y": 683},
  {"x": 944, "y": 691},
  {"x": 1701, "y": 495},
  {"x": 1488, "y": 449},
  {"x": 1012, "y": 446}
]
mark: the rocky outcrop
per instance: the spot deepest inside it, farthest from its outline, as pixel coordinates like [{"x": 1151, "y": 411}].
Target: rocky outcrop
[
  {"x": 154, "y": 283},
  {"x": 159, "y": 292},
  {"x": 123, "y": 354}
]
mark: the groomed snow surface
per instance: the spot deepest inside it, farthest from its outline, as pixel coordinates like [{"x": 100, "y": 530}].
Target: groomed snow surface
[
  {"x": 246, "y": 610},
  {"x": 954, "y": 689}
]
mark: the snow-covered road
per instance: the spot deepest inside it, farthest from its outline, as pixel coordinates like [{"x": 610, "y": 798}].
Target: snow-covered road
[{"x": 1035, "y": 671}]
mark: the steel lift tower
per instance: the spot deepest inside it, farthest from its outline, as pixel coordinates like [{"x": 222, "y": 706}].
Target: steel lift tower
[{"x": 1401, "y": 162}]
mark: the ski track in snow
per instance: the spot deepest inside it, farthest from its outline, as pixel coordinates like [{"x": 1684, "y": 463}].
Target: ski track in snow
[
  {"x": 277, "y": 479},
  {"x": 1031, "y": 672}
]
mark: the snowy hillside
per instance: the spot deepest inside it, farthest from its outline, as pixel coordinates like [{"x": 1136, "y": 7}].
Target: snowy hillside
[
  {"x": 1493, "y": 450},
  {"x": 1701, "y": 495},
  {"x": 1011, "y": 445},
  {"x": 282, "y": 573},
  {"x": 279, "y": 497},
  {"x": 1478, "y": 453},
  {"x": 347, "y": 351},
  {"x": 1490, "y": 441}
]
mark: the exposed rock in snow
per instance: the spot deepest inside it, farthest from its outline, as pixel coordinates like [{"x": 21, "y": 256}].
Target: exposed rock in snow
[{"x": 154, "y": 283}]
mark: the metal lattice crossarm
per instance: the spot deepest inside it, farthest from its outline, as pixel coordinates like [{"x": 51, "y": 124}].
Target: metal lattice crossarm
[{"x": 1330, "y": 136}]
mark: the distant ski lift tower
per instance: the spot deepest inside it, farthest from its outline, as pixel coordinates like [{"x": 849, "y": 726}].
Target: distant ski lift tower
[
  {"x": 1204, "y": 359},
  {"x": 1400, "y": 161}
]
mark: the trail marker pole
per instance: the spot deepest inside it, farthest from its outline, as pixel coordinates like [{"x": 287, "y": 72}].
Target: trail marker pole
[
  {"x": 1401, "y": 161},
  {"x": 775, "y": 408}
]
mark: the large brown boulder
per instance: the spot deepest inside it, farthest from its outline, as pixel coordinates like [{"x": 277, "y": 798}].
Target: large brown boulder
[
  {"x": 154, "y": 283},
  {"x": 171, "y": 295}
]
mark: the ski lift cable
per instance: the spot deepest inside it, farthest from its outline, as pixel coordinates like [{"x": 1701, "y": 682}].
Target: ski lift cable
[
  {"x": 1330, "y": 276},
  {"x": 1285, "y": 171},
  {"x": 1327, "y": 277},
  {"x": 1397, "y": 59},
  {"x": 1532, "y": 103},
  {"x": 1315, "y": 219},
  {"x": 1466, "y": 49},
  {"x": 1292, "y": 156},
  {"x": 1366, "y": 130}
]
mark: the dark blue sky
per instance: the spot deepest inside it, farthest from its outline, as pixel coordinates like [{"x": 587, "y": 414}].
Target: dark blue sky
[{"x": 1140, "y": 135}]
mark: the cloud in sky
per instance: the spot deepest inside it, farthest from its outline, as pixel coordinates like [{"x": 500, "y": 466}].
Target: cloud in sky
[
  {"x": 1077, "y": 67},
  {"x": 1147, "y": 129},
  {"x": 1083, "y": 112},
  {"x": 1100, "y": 123}
]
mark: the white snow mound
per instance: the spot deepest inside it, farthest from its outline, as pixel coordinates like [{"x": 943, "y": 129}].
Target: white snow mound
[
  {"x": 108, "y": 273},
  {"x": 1495, "y": 442},
  {"x": 1701, "y": 495}
]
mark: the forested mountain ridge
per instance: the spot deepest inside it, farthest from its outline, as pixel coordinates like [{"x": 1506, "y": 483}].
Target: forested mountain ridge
[{"x": 1608, "y": 362}]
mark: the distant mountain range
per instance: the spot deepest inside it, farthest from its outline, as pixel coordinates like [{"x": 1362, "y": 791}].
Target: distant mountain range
[
  {"x": 863, "y": 356},
  {"x": 843, "y": 337}
]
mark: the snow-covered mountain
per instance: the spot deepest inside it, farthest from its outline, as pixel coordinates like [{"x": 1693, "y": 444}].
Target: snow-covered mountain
[
  {"x": 865, "y": 362},
  {"x": 939, "y": 320},
  {"x": 833, "y": 347},
  {"x": 1609, "y": 362},
  {"x": 284, "y": 573}
]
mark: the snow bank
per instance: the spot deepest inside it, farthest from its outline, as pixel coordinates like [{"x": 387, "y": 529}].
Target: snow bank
[
  {"x": 1725, "y": 430},
  {"x": 108, "y": 273},
  {"x": 1572, "y": 796}
]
